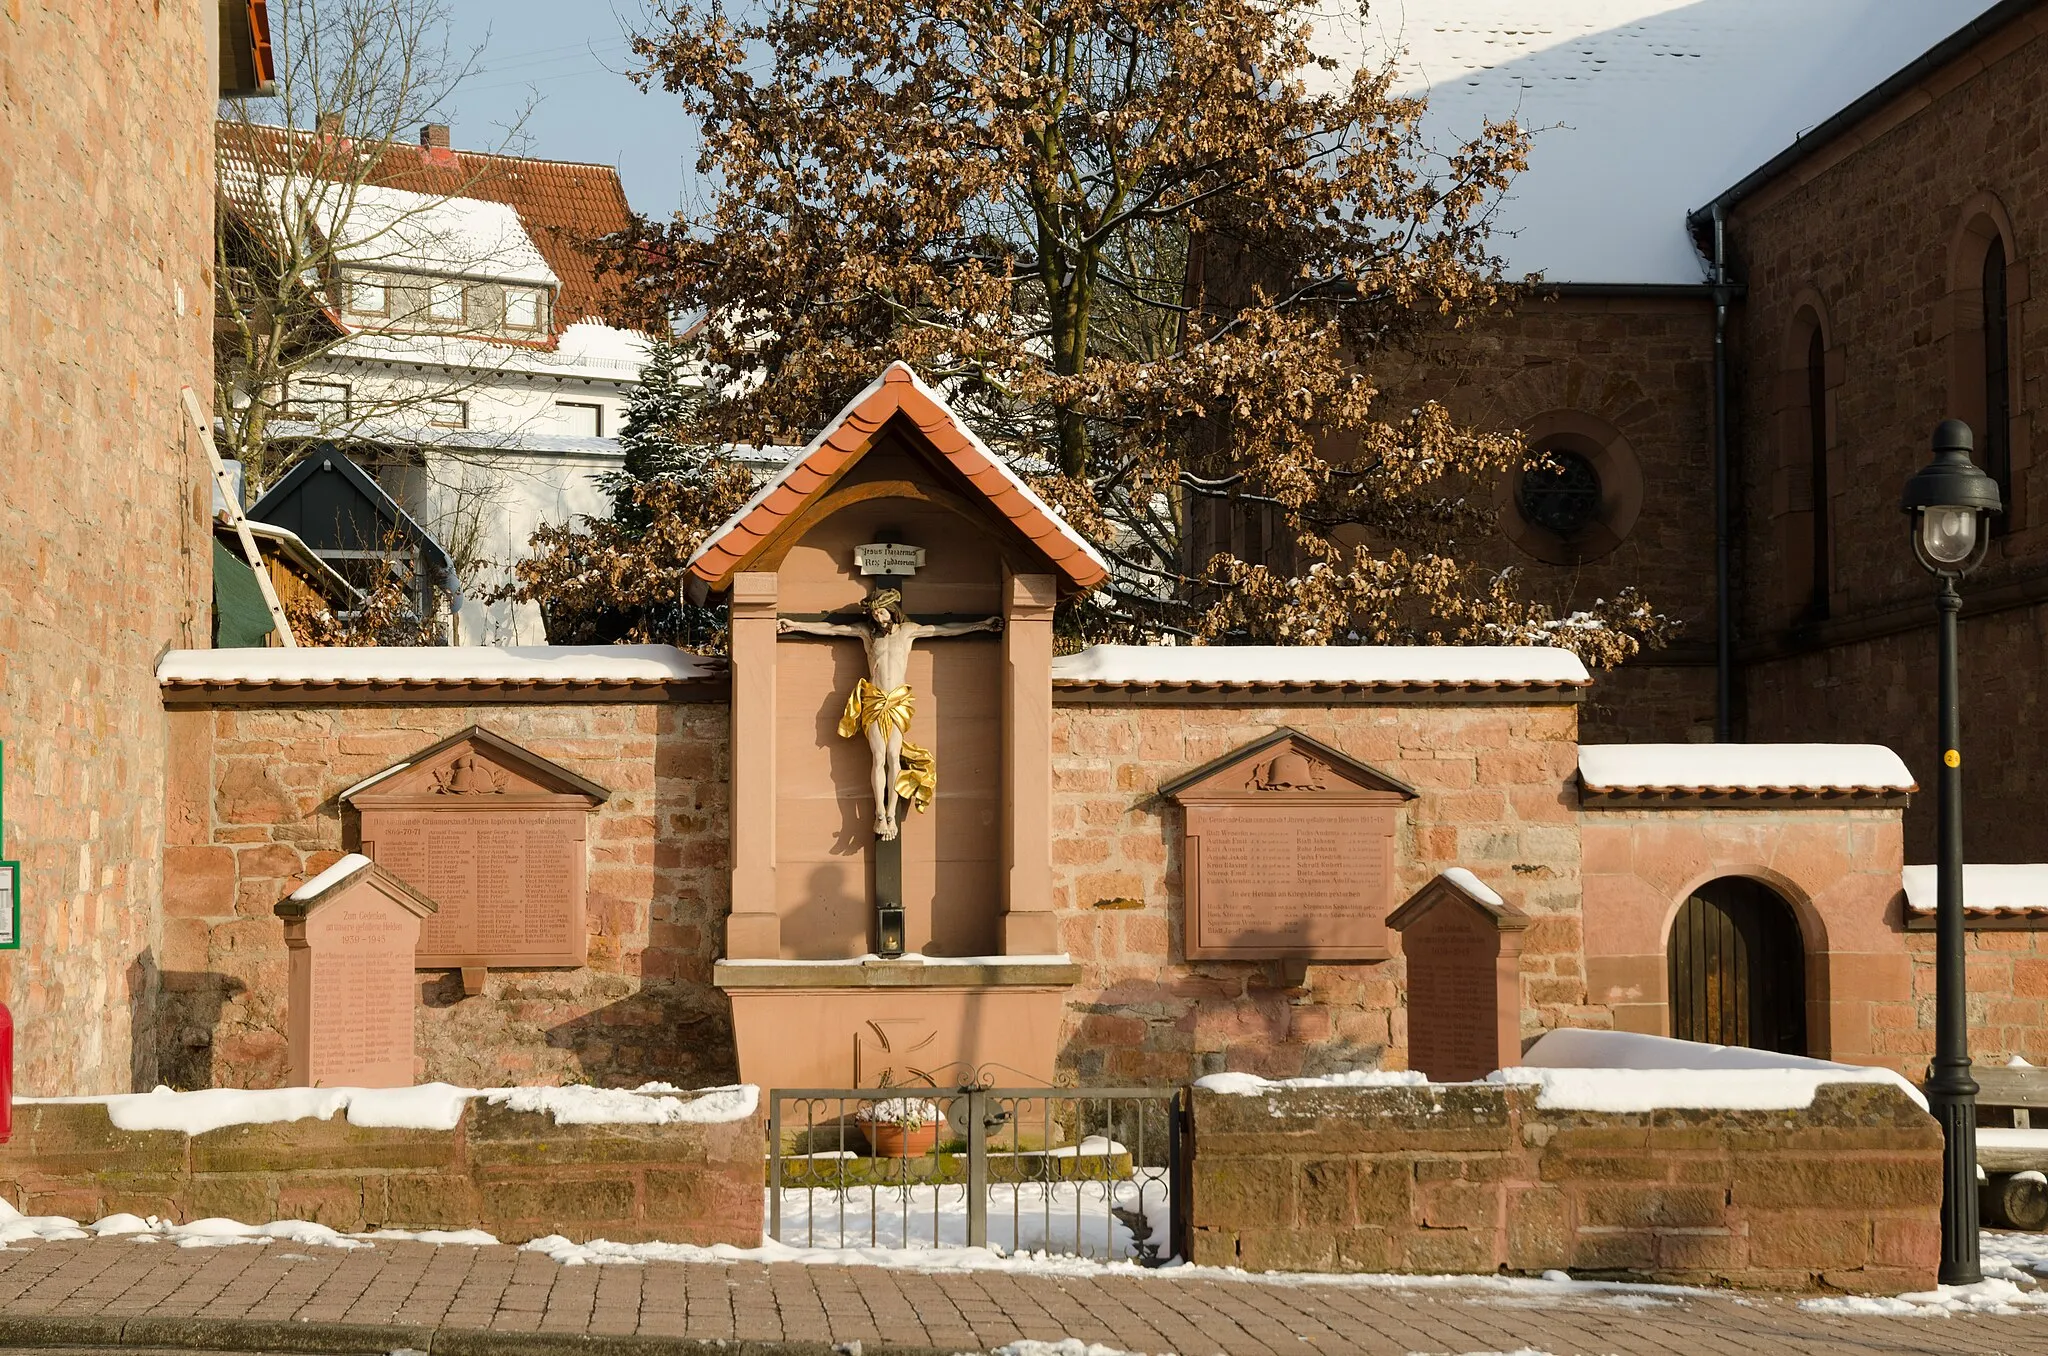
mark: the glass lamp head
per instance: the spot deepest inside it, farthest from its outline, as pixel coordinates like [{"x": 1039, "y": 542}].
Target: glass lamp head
[{"x": 1949, "y": 500}]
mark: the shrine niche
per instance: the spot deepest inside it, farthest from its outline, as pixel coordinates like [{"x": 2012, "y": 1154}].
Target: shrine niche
[
  {"x": 1288, "y": 853},
  {"x": 494, "y": 835},
  {"x": 1464, "y": 948}
]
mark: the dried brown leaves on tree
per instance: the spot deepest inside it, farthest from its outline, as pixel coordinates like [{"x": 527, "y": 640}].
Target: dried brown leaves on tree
[
  {"x": 605, "y": 581},
  {"x": 1150, "y": 249}
]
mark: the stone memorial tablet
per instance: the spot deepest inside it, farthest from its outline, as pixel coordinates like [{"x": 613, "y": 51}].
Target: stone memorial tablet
[
  {"x": 495, "y": 836},
  {"x": 350, "y": 935},
  {"x": 1464, "y": 948},
  {"x": 1288, "y": 853}
]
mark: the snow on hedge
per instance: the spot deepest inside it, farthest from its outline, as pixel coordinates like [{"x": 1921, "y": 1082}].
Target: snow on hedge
[
  {"x": 429, "y": 1106},
  {"x": 1742, "y": 767},
  {"x": 1987, "y": 887},
  {"x": 1333, "y": 664},
  {"x": 436, "y": 664}
]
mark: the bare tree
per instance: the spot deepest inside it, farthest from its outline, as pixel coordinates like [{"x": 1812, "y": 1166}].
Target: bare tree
[{"x": 363, "y": 287}]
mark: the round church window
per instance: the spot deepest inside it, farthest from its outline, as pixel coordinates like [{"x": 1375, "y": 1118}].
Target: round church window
[{"x": 1563, "y": 494}]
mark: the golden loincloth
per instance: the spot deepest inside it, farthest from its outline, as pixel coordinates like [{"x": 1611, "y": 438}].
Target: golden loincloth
[{"x": 917, "y": 776}]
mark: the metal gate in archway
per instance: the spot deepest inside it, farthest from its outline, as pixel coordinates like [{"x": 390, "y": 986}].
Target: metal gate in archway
[{"x": 1738, "y": 968}]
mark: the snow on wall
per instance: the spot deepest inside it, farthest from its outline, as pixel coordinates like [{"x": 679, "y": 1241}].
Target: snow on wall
[
  {"x": 1621, "y": 1071},
  {"x": 437, "y": 663},
  {"x": 1332, "y": 664},
  {"x": 1988, "y": 887},
  {"x": 429, "y": 1106},
  {"x": 333, "y": 875},
  {"x": 1641, "y": 109},
  {"x": 1742, "y": 767}
]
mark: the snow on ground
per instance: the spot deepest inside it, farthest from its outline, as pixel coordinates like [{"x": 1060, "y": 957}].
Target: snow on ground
[
  {"x": 429, "y": 1106},
  {"x": 1066, "y": 1346},
  {"x": 2015, "y": 1266}
]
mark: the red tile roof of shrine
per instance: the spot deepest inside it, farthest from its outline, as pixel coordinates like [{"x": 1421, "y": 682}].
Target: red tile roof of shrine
[{"x": 848, "y": 437}]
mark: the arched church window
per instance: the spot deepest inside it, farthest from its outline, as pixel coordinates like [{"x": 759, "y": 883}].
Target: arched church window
[
  {"x": 1997, "y": 444},
  {"x": 1817, "y": 460}
]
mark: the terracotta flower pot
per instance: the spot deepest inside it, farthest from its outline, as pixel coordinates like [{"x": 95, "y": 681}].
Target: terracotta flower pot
[{"x": 897, "y": 1141}]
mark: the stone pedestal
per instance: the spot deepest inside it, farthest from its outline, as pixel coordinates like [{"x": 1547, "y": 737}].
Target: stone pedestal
[
  {"x": 349, "y": 1017},
  {"x": 871, "y": 1023},
  {"x": 1464, "y": 948}
]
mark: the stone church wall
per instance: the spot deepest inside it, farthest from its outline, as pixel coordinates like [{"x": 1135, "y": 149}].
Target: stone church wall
[
  {"x": 1636, "y": 373},
  {"x": 1879, "y": 242},
  {"x": 106, "y": 140}
]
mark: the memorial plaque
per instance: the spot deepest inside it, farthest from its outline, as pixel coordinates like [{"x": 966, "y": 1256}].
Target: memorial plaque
[
  {"x": 495, "y": 836},
  {"x": 351, "y": 934},
  {"x": 1464, "y": 950},
  {"x": 1288, "y": 853}
]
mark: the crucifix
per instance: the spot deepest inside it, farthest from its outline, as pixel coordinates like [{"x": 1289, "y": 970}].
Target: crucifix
[{"x": 881, "y": 706}]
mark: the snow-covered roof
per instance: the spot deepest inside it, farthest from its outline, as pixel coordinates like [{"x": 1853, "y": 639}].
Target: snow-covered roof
[
  {"x": 1320, "y": 666},
  {"x": 2002, "y": 889},
  {"x": 378, "y": 227},
  {"x": 1642, "y": 109},
  {"x": 577, "y": 665},
  {"x": 1855, "y": 769}
]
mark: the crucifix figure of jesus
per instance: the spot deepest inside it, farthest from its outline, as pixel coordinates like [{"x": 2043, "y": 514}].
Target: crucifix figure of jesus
[{"x": 882, "y": 703}]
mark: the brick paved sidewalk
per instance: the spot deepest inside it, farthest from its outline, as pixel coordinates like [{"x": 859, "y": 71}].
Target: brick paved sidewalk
[{"x": 448, "y": 1293}]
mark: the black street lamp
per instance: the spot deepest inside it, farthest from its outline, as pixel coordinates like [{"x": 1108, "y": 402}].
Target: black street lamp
[{"x": 1951, "y": 501}]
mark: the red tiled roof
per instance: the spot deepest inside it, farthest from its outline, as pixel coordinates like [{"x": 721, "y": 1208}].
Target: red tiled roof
[
  {"x": 566, "y": 206},
  {"x": 843, "y": 442}
]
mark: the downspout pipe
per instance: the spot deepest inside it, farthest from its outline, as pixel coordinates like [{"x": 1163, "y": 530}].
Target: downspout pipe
[{"x": 1724, "y": 602}]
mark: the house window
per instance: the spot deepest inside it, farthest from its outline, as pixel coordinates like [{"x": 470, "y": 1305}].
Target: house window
[
  {"x": 368, "y": 296},
  {"x": 522, "y": 308},
  {"x": 445, "y": 301},
  {"x": 586, "y": 421},
  {"x": 1817, "y": 462},
  {"x": 321, "y": 401},
  {"x": 448, "y": 413},
  {"x": 1997, "y": 454}
]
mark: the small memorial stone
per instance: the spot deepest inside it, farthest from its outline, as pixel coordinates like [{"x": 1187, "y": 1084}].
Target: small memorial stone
[
  {"x": 351, "y": 932},
  {"x": 1464, "y": 948}
]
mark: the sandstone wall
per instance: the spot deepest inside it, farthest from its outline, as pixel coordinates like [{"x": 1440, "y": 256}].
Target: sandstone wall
[
  {"x": 254, "y": 813},
  {"x": 1893, "y": 280},
  {"x": 1475, "y": 1178},
  {"x": 106, "y": 229},
  {"x": 1498, "y": 796},
  {"x": 517, "y": 1175}
]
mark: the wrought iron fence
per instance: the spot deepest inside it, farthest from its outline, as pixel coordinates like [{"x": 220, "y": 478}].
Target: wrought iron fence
[{"x": 1089, "y": 1172}]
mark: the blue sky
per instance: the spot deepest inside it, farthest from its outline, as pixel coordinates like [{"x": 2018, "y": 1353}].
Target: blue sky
[{"x": 569, "y": 58}]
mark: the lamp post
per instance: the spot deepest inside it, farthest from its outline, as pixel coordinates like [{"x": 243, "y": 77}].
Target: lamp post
[{"x": 1950, "y": 501}]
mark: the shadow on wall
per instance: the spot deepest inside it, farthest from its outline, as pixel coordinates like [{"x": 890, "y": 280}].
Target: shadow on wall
[{"x": 173, "y": 1016}]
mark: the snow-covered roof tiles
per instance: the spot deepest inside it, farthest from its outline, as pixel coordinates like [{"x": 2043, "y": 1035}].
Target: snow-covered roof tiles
[
  {"x": 1692, "y": 769},
  {"x": 382, "y": 227},
  {"x": 1643, "y": 109},
  {"x": 847, "y": 437},
  {"x": 1320, "y": 666},
  {"x": 434, "y": 665},
  {"x": 2002, "y": 889}
]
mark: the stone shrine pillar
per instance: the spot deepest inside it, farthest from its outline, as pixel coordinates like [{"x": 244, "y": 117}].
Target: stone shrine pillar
[
  {"x": 754, "y": 931},
  {"x": 349, "y": 1018},
  {"x": 1028, "y": 925},
  {"x": 1464, "y": 948}
]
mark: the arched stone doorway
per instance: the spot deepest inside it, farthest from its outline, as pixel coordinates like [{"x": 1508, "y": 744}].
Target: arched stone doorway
[{"x": 1738, "y": 968}]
